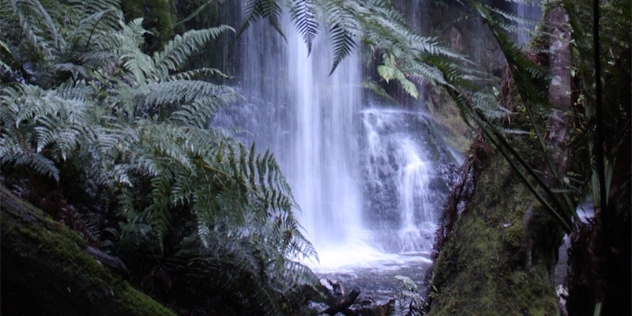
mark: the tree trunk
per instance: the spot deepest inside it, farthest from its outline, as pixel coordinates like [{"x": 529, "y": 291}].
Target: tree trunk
[
  {"x": 499, "y": 257},
  {"x": 560, "y": 61},
  {"x": 46, "y": 270}
]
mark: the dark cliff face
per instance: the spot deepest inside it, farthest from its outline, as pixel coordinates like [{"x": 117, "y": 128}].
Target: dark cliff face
[{"x": 458, "y": 26}]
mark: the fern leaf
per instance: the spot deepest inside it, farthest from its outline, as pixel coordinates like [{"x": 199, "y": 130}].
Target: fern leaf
[
  {"x": 342, "y": 33},
  {"x": 198, "y": 73},
  {"x": 304, "y": 16},
  {"x": 4, "y": 51},
  {"x": 259, "y": 9},
  {"x": 178, "y": 50},
  {"x": 101, "y": 21}
]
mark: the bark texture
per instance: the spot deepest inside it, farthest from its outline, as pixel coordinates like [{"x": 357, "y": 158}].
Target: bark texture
[
  {"x": 560, "y": 61},
  {"x": 46, "y": 270}
]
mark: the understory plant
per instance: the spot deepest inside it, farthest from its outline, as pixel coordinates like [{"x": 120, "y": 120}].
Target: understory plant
[{"x": 116, "y": 144}]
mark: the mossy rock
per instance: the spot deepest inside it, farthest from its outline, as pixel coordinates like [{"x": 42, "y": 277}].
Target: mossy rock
[{"x": 46, "y": 270}]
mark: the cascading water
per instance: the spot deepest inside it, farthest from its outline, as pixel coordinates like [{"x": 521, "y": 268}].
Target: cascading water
[
  {"x": 361, "y": 174},
  {"x": 531, "y": 13},
  {"x": 309, "y": 119},
  {"x": 324, "y": 153},
  {"x": 398, "y": 176}
]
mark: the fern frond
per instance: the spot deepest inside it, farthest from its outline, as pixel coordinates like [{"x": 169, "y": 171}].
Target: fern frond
[
  {"x": 259, "y": 9},
  {"x": 303, "y": 13},
  {"x": 91, "y": 7},
  {"x": 159, "y": 97},
  {"x": 33, "y": 42},
  {"x": 100, "y": 21},
  {"x": 35, "y": 11},
  {"x": 389, "y": 71},
  {"x": 178, "y": 50},
  {"x": 160, "y": 213},
  {"x": 197, "y": 74},
  {"x": 489, "y": 106},
  {"x": 4, "y": 51},
  {"x": 343, "y": 29}
]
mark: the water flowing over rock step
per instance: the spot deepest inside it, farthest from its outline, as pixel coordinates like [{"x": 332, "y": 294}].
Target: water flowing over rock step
[
  {"x": 375, "y": 281},
  {"x": 355, "y": 166}
]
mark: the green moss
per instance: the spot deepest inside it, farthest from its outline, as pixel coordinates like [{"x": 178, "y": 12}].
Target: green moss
[
  {"x": 48, "y": 261},
  {"x": 128, "y": 296},
  {"x": 483, "y": 269}
]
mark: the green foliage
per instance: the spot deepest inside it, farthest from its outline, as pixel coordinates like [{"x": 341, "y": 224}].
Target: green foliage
[
  {"x": 303, "y": 13},
  {"x": 349, "y": 22},
  {"x": 409, "y": 299},
  {"x": 130, "y": 133},
  {"x": 535, "y": 159},
  {"x": 259, "y": 9},
  {"x": 158, "y": 17}
]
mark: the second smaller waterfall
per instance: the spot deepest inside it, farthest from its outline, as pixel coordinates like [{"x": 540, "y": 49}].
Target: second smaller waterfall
[
  {"x": 404, "y": 187},
  {"x": 417, "y": 209}
]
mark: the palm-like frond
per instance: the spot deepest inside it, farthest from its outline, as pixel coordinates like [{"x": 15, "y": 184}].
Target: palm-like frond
[
  {"x": 343, "y": 28},
  {"x": 134, "y": 129},
  {"x": 180, "y": 48},
  {"x": 263, "y": 9},
  {"x": 303, "y": 13}
]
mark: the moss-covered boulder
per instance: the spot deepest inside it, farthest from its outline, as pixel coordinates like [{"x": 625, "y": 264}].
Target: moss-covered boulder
[{"x": 46, "y": 270}]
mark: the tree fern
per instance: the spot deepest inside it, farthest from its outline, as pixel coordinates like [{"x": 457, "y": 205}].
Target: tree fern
[
  {"x": 258, "y": 9},
  {"x": 178, "y": 50},
  {"x": 133, "y": 129},
  {"x": 303, "y": 13}
]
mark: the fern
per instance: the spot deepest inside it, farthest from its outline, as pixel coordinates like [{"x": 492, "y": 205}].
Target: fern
[
  {"x": 178, "y": 50},
  {"x": 258, "y": 9},
  {"x": 411, "y": 302},
  {"x": 303, "y": 13},
  {"x": 133, "y": 131},
  {"x": 389, "y": 71},
  {"x": 4, "y": 51}
]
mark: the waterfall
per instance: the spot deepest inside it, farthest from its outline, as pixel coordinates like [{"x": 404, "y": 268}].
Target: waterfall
[
  {"x": 309, "y": 119},
  {"x": 321, "y": 169},
  {"x": 531, "y": 13},
  {"x": 360, "y": 172},
  {"x": 398, "y": 174}
]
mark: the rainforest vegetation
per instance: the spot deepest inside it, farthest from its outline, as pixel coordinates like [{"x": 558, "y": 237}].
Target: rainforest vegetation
[{"x": 119, "y": 196}]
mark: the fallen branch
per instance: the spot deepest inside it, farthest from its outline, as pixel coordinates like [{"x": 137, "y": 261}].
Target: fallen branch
[{"x": 342, "y": 305}]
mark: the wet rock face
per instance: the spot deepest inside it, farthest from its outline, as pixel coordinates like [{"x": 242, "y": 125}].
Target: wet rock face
[{"x": 406, "y": 167}]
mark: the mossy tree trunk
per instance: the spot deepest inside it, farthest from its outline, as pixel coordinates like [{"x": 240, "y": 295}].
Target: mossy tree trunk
[
  {"x": 500, "y": 253},
  {"x": 46, "y": 270},
  {"x": 499, "y": 256}
]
